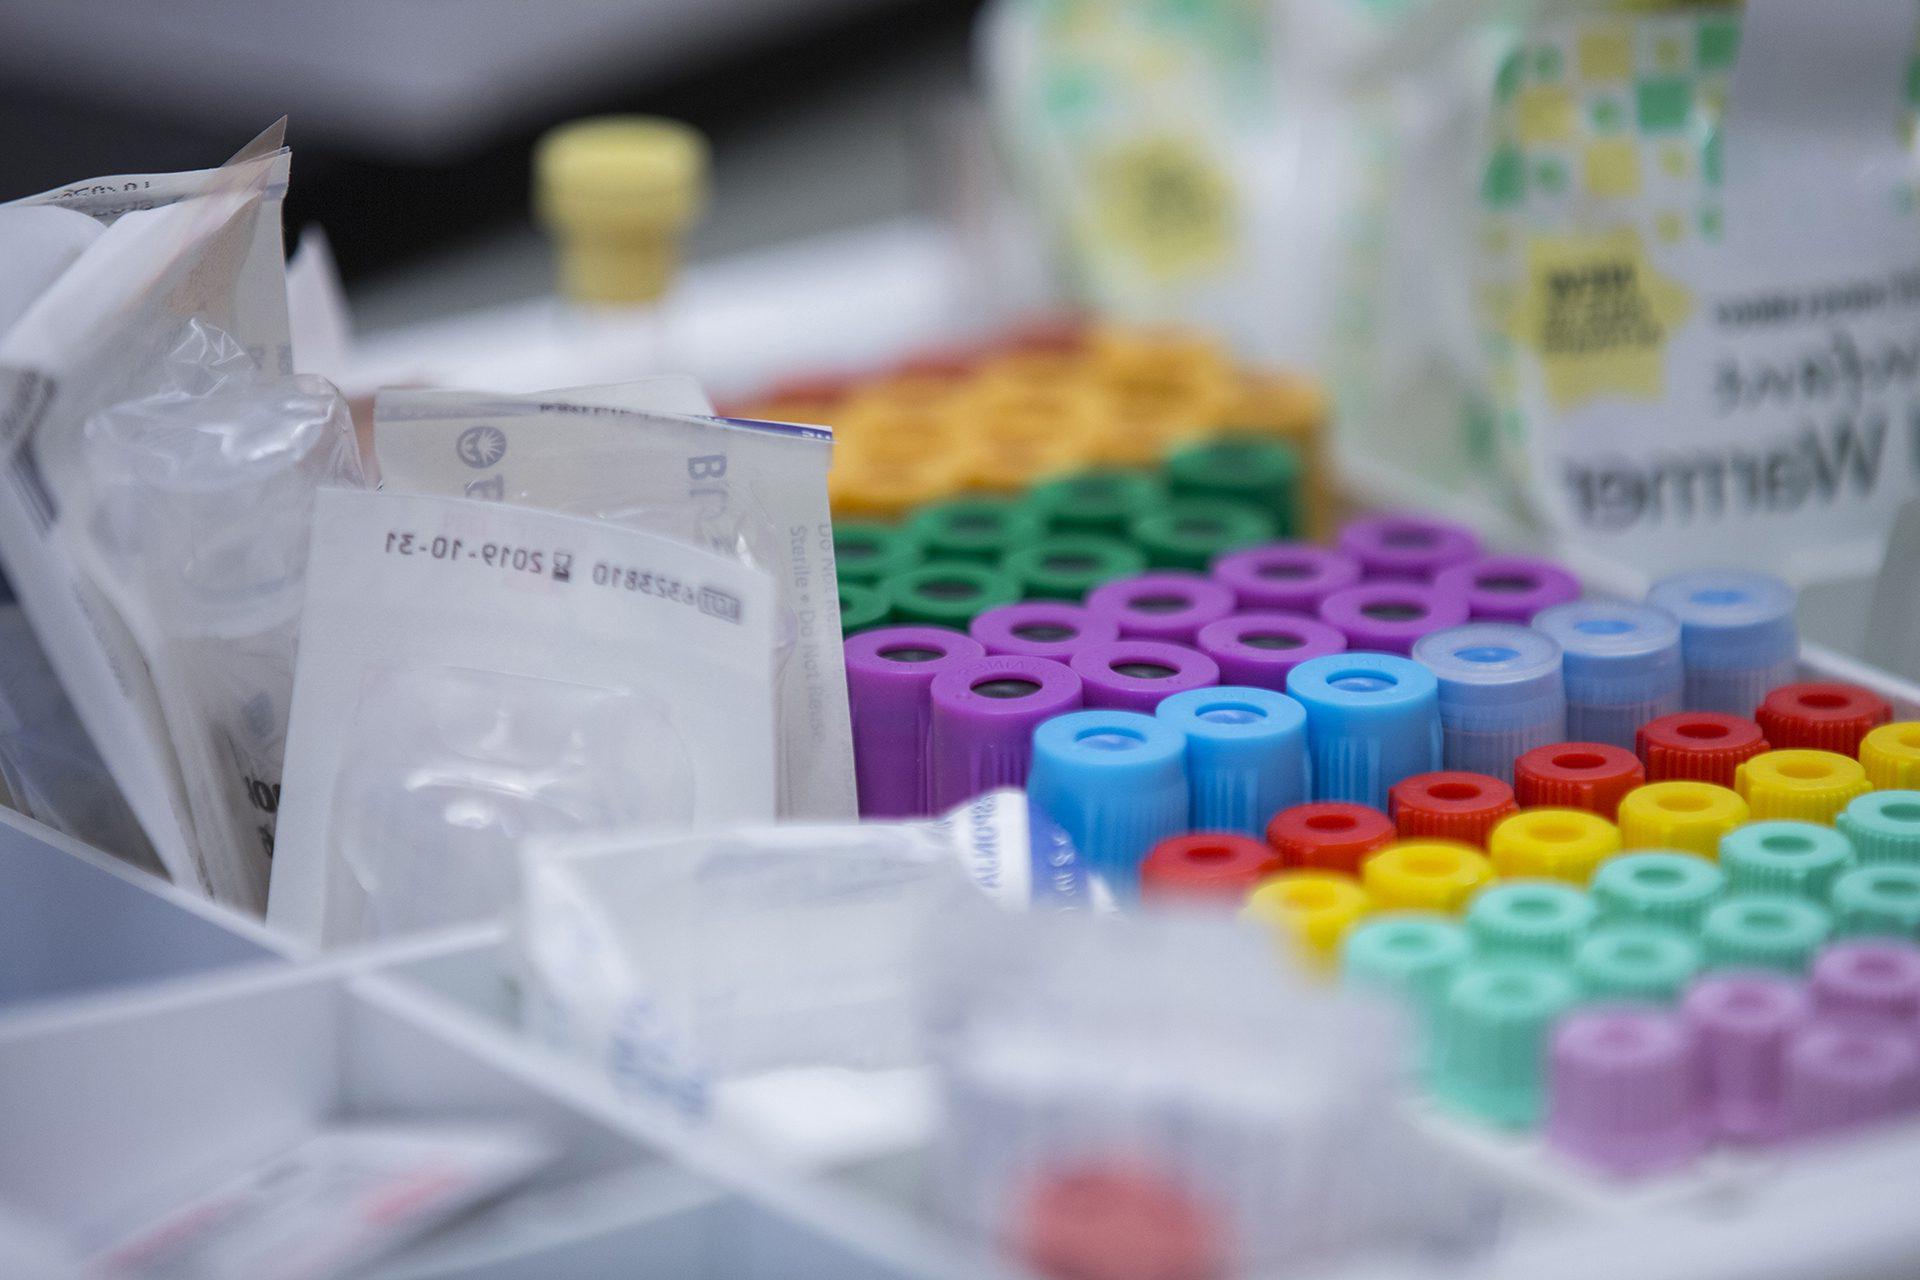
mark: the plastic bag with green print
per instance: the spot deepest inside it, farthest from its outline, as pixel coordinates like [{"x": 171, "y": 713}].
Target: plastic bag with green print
[{"x": 1699, "y": 279}]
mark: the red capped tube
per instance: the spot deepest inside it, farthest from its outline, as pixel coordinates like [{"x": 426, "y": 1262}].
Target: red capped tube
[
  {"x": 1698, "y": 746},
  {"x": 1211, "y": 865},
  {"x": 1824, "y": 716},
  {"x": 1329, "y": 836},
  {"x": 1449, "y": 805},
  {"x": 1577, "y": 775}
]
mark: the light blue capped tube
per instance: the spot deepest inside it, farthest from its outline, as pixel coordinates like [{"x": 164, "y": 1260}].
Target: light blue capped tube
[
  {"x": 1115, "y": 782},
  {"x": 1738, "y": 640},
  {"x": 1621, "y": 666},
  {"x": 1500, "y": 694},
  {"x": 1372, "y": 719},
  {"x": 1246, "y": 755}
]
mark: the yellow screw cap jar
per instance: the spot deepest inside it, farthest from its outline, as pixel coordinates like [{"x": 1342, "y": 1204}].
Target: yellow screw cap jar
[
  {"x": 1311, "y": 910},
  {"x": 1424, "y": 875},
  {"x": 618, "y": 192},
  {"x": 1691, "y": 816},
  {"x": 1891, "y": 756},
  {"x": 1553, "y": 844},
  {"x": 1806, "y": 786}
]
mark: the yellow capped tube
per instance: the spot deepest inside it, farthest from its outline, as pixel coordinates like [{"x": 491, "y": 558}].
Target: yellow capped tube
[
  {"x": 1310, "y": 910},
  {"x": 1552, "y": 844},
  {"x": 1690, "y": 816},
  {"x": 1891, "y": 756},
  {"x": 1804, "y": 786},
  {"x": 618, "y": 193},
  {"x": 1424, "y": 875}
]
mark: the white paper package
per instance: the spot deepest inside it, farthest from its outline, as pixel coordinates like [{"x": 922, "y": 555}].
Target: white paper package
[
  {"x": 649, "y": 455},
  {"x": 175, "y": 248},
  {"x": 472, "y": 674}
]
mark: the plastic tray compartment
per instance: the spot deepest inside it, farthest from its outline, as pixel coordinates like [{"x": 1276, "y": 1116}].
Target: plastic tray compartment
[{"x": 73, "y": 921}]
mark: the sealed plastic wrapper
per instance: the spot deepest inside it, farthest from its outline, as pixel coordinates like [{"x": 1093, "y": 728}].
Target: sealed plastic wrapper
[
  {"x": 473, "y": 674},
  {"x": 649, "y": 455},
  {"x": 1700, "y": 278},
  {"x": 94, "y": 319},
  {"x": 1160, "y": 1087},
  {"x": 762, "y": 976}
]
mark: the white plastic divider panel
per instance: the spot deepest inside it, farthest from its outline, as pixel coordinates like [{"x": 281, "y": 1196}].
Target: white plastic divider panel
[{"x": 74, "y": 920}]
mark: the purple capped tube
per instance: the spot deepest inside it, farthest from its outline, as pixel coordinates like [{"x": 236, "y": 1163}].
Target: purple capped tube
[
  {"x": 1407, "y": 548},
  {"x": 1133, "y": 675},
  {"x": 1162, "y": 606},
  {"x": 1041, "y": 629},
  {"x": 1387, "y": 617},
  {"x": 1287, "y": 576},
  {"x": 1745, "y": 1022},
  {"x": 984, "y": 713},
  {"x": 1259, "y": 649},
  {"x": 889, "y": 672},
  {"x": 1509, "y": 588}
]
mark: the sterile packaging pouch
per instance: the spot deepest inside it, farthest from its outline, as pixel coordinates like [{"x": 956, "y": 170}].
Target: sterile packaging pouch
[
  {"x": 763, "y": 977},
  {"x": 472, "y": 674},
  {"x": 1700, "y": 277},
  {"x": 648, "y": 455},
  {"x": 1162, "y": 1083},
  {"x": 96, "y": 316}
]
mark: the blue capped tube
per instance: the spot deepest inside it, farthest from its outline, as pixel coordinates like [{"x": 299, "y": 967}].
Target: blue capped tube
[
  {"x": 1738, "y": 640},
  {"x": 1246, "y": 755},
  {"x": 1115, "y": 782},
  {"x": 1621, "y": 666},
  {"x": 1500, "y": 693},
  {"x": 1372, "y": 719}
]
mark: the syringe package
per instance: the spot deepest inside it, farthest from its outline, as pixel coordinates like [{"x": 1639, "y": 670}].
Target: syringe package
[
  {"x": 643, "y": 456},
  {"x": 121, "y": 289},
  {"x": 1700, "y": 277},
  {"x": 472, "y": 674},
  {"x": 1102, "y": 1075}
]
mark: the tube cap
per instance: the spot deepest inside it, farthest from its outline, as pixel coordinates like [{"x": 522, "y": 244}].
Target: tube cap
[
  {"x": 1312, "y": 909},
  {"x": 619, "y": 192},
  {"x": 1246, "y": 754},
  {"x": 1621, "y": 663},
  {"x": 1389, "y": 617},
  {"x": 984, "y": 713},
  {"x": 1539, "y": 918},
  {"x": 1878, "y": 901},
  {"x": 1209, "y": 866},
  {"x": 1412, "y": 954},
  {"x": 1407, "y": 548},
  {"x": 1764, "y": 931},
  {"x": 890, "y": 674},
  {"x": 1065, "y": 566},
  {"x": 1263, "y": 648},
  {"x": 1658, "y": 888},
  {"x": 1801, "y": 859},
  {"x": 1191, "y": 533},
  {"x": 1745, "y": 1022},
  {"x": 1425, "y": 875},
  {"x": 1134, "y": 675},
  {"x": 1262, "y": 473},
  {"x": 861, "y": 608},
  {"x": 982, "y": 529},
  {"x": 950, "y": 594},
  {"x": 1826, "y": 716},
  {"x": 1509, "y": 588},
  {"x": 1883, "y": 826},
  {"x": 1491, "y": 1037},
  {"x": 1101, "y": 500},
  {"x": 1449, "y": 806},
  {"x": 1372, "y": 719},
  {"x": 1114, "y": 781},
  {"x": 1737, "y": 636},
  {"x": 1329, "y": 836},
  {"x": 1698, "y": 746},
  {"x": 1162, "y": 606},
  {"x": 1637, "y": 962},
  {"x": 1114, "y": 1219},
  {"x": 1500, "y": 693},
  {"x": 866, "y": 551},
  {"x": 1624, "y": 1092},
  {"x": 1812, "y": 786},
  {"x": 1594, "y": 776},
  {"x": 1553, "y": 844},
  {"x": 1891, "y": 755},
  {"x": 1690, "y": 816},
  {"x": 1876, "y": 980},
  {"x": 1041, "y": 629},
  {"x": 1843, "y": 1076},
  {"x": 1288, "y": 576}
]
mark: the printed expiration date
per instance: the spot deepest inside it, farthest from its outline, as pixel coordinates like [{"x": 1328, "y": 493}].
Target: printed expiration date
[{"x": 559, "y": 565}]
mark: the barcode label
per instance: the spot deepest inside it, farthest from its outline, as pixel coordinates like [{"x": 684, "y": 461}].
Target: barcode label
[{"x": 24, "y": 397}]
